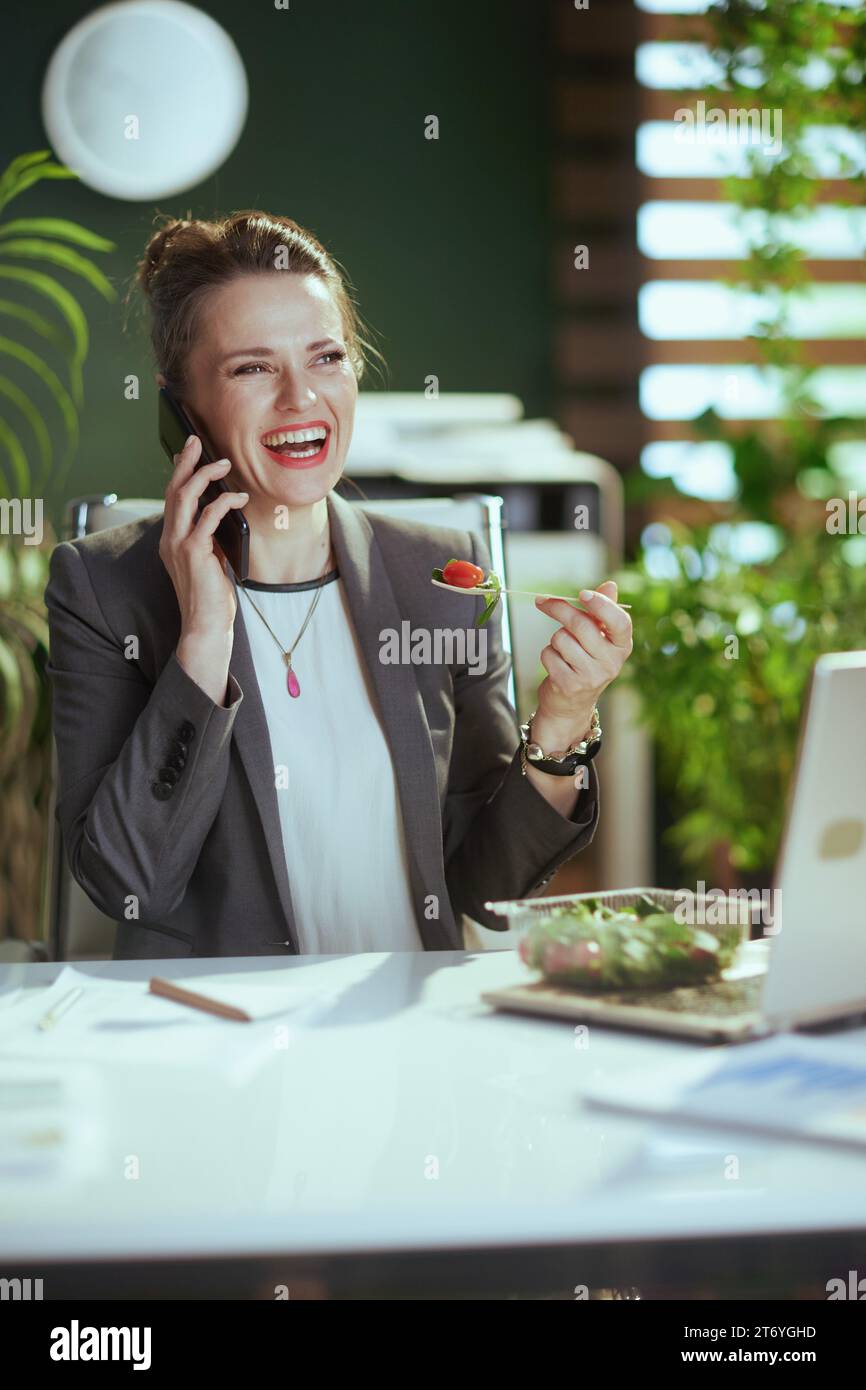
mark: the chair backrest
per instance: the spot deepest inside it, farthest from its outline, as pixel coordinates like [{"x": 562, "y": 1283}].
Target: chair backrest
[{"x": 79, "y": 931}]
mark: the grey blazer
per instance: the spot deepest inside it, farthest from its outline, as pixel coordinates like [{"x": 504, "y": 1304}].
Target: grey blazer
[{"x": 167, "y": 801}]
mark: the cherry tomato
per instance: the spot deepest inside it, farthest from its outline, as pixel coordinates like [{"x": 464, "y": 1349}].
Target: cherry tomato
[{"x": 462, "y": 574}]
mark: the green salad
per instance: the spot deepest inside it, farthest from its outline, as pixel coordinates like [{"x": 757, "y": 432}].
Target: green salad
[{"x": 592, "y": 946}]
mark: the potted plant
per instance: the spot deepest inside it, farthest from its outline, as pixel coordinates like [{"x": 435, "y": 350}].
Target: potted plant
[{"x": 43, "y": 346}]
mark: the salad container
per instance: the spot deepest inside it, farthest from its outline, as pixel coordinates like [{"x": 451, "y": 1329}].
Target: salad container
[{"x": 628, "y": 939}]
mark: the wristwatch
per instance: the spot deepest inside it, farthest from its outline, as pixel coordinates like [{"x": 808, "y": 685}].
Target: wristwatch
[{"x": 559, "y": 764}]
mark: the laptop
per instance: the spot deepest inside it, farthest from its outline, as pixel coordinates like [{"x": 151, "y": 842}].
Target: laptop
[{"x": 810, "y": 967}]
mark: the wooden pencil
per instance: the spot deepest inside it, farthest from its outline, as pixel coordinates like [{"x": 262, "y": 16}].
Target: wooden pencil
[{"x": 166, "y": 990}]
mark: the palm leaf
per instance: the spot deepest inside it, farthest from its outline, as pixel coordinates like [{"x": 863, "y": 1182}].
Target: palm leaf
[
  {"x": 38, "y": 322},
  {"x": 35, "y": 249},
  {"x": 69, "y": 307},
  {"x": 49, "y": 379},
  {"x": 13, "y": 170},
  {"x": 57, "y": 227},
  {"x": 17, "y": 458},
  {"x": 24, "y": 634},
  {"x": 31, "y": 176},
  {"x": 37, "y": 424}
]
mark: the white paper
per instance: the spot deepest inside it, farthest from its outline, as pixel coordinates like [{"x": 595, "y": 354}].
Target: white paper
[
  {"x": 52, "y": 1123},
  {"x": 120, "y": 1021},
  {"x": 795, "y": 1084}
]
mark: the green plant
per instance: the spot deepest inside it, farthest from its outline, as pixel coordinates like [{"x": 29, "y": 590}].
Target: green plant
[
  {"x": 54, "y": 380},
  {"x": 25, "y": 764},
  {"x": 726, "y": 726},
  {"x": 721, "y": 660},
  {"x": 807, "y": 60},
  {"x": 43, "y": 240}
]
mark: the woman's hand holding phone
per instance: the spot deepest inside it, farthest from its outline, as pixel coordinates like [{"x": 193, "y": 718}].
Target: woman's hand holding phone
[{"x": 197, "y": 568}]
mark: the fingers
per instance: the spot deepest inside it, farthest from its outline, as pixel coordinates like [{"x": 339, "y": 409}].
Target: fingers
[
  {"x": 214, "y": 512},
  {"x": 184, "y": 464},
  {"x": 187, "y": 502},
  {"x": 582, "y": 633},
  {"x": 185, "y": 490},
  {"x": 600, "y": 606},
  {"x": 563, "y": 675}
]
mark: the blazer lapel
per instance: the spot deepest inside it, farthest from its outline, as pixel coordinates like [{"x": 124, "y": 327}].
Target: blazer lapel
[{"x": 373, "y": 608}]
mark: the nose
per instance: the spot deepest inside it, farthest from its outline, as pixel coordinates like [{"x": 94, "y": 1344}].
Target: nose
[{"x": 293, "y": 392}]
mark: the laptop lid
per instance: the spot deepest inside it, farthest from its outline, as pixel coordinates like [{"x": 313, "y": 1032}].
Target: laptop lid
[{"x": 818, "y": 957}]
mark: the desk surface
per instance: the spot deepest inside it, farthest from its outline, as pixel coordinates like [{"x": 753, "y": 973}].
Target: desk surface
[{"x": 405, "y": 1116}]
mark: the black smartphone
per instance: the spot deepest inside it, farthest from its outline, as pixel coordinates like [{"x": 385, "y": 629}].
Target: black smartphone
[{"x": 233, "y": 532}]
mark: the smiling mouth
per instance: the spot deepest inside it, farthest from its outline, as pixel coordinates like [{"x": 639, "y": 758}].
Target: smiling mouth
[{"x": 297, "y": 446}]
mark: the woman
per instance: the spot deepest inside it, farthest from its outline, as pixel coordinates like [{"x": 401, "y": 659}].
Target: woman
[{"x": 204, "y": 805}]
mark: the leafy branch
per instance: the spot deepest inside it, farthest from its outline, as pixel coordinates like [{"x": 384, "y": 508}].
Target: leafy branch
[{"x": 49, "y": 242}]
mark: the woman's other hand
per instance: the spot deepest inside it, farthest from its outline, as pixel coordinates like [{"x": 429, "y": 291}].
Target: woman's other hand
[{"x": 583, "y": 656}]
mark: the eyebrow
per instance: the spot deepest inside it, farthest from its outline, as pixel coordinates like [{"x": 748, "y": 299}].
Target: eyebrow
[{"x": 269, "y": 352}]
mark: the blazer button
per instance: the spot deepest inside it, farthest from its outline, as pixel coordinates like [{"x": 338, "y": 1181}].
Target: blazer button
[
  {"x": 161, "y": 790},
  {"x": 186, "y": 732},
  {"x": 169, "y": 775},
  {"x": 176, "y": 757}
]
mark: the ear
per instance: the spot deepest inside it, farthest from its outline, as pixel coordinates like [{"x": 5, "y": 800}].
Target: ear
[{"x": 160, "y": 379}]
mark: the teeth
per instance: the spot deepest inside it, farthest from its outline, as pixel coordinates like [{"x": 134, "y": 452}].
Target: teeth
[{"x": 273, "y": 441}]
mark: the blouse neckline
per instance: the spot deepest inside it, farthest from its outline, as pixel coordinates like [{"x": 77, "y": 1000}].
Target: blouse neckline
[{"x": 292, "y": 588}]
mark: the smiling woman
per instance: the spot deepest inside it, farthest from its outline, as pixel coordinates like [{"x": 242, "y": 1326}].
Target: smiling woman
[{"x": 213, "y": 798}]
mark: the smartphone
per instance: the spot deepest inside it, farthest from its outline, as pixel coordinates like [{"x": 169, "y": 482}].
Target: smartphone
[{"x": 233, "y": 532}]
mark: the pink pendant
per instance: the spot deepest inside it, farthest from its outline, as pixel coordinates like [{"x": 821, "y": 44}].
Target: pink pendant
[{"x": 293, "y": 684}]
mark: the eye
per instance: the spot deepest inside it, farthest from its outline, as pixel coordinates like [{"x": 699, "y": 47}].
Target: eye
[
  {"x": 248, "y": 368},
  {"x": 335, "y": 355}
]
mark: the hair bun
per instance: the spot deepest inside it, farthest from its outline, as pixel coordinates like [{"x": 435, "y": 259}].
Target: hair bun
[{"x": 156, "y": 249}]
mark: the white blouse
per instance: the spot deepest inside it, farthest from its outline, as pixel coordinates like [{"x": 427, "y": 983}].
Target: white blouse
[{"x": 336, "y": 790}]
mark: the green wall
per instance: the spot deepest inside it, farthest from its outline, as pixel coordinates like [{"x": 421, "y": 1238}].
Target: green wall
[{"x": 446, "y": 242}]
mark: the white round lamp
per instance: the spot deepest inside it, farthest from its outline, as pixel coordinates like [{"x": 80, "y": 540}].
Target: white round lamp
[{"x": 145, "y": 98}]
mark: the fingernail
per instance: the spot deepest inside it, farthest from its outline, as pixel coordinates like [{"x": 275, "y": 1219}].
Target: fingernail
[
  {"x": 586, "y": 595},
  {"x": 189, "y": 440}
]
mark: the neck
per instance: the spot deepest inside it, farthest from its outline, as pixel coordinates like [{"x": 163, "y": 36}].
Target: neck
[{"x": 289, "y": 554}]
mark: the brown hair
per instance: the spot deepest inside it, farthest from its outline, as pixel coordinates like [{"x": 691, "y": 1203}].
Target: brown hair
[{"x": 184, "y": 260}]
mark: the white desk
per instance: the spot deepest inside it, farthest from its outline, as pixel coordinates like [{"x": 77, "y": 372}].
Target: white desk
[{"x": 321, "y": 1166}]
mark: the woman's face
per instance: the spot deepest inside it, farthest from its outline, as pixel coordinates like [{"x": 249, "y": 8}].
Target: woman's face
[{"x": 269, "y": 360}]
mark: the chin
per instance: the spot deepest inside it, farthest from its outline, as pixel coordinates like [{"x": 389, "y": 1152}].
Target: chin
[{"x": 303, "y": 487}]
